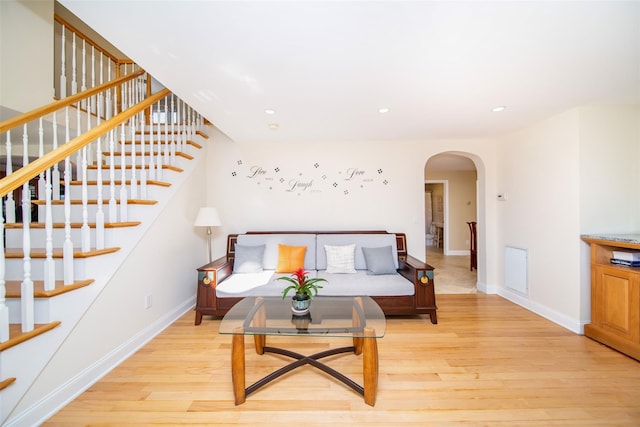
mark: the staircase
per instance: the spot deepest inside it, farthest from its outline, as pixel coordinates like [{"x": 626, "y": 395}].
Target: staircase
[{"x": 106, "y": 206}]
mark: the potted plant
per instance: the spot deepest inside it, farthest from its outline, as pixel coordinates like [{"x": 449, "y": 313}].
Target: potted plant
[{"x": 305, "y": 288}]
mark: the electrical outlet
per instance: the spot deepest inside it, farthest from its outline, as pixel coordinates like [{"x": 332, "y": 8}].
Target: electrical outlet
[{"x": 147, "y": 301}]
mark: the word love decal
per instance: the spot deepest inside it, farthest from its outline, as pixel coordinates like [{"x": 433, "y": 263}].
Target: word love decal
[{"x": 314, "y": 179}]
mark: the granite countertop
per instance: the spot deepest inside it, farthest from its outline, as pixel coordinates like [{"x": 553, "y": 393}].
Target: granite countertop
[{"x": 624, "y": 238}]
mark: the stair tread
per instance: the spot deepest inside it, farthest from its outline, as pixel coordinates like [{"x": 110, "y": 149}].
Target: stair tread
[
  {"x": 95, "y": 202},
  {"x": 94, "y": 166},
  {"x": 138, "y": 153},
  {"x": 14, "y": 288},
  {"x": 39, "y": 253},
  {"x": 119, "y": 182},
  {"x": 16, "y": 336},
  {"x": 40, "y": 225},
  {"x": 174, "y": 132}
]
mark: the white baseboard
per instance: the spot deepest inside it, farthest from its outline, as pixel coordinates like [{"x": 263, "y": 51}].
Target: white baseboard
[
  {"x": 544, "y": 311},
  {"x": 457, "y": 253},
  {"x": 539, "y": 309},
  {"x": 63, "y": 395}
]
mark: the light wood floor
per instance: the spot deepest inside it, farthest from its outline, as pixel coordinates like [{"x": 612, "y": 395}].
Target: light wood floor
[{"x": 488, "y": 362}]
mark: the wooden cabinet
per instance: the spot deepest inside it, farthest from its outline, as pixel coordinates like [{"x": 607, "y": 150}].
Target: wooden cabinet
[{"x": 615, "y": 297}]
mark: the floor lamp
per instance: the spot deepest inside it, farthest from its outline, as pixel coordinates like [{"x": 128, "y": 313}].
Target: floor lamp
[{"x": 208, "y": 217}]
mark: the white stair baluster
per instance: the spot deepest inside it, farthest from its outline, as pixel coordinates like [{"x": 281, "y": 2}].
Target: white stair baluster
[
  {"x": 84, "y": 67},
  {"x": 101, "y": 105},
  {"x": 85, "y": 230},
  {"x": 63, "y": 65},
  {"x": 133, "y": 185},
  {"x": 55, "y": 177},
  {"x": 26, "y": 288},
  {"x": 100, "y": 212},
  {"x": 4, "y": 310},
  {"x": 49, "y": 264},
  {"x": 109, "y": 111},
  {"x": 123, "y": 180},
  {"x": 93, "y": 76},
  {"x": 99, "y": 179},
  {"x": 159, "y": 163},
  {"x": 67, "y": 247},
  {"x": 74, "y": 73},
  {"x": 182, "y": 125},
  {"x": 172, "y": 150},
  {"x": 78, "y": 155},
  {"x": 89, "y": 127},
  {"x": 167, "y": 155},
  {"x": 113, "y": 204},
  {"x": 143, "y": 172},
  {"x": 10, "y": 204},
  {"x": 152, "y": 171},
  {"x": 41, "y": 182}
]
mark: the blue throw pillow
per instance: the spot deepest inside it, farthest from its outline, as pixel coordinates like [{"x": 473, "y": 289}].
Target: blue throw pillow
[
  {"x": 248, "y": 259},
  {"x": 379, "y": 260}
]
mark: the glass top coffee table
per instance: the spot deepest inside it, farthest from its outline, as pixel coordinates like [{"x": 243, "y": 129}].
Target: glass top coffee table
[{"x": 357, "y": 318}]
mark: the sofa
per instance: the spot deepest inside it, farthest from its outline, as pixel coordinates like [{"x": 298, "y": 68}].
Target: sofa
[{"x": 354, "y": 263}]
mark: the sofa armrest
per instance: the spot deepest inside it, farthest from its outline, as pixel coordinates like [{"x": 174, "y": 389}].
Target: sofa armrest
[
  {"x": 209, "y": 276},
  {"x": 421, "y": 275},
  {"x": 416, "y": 271},
  {"x": 216, "y": 271}
]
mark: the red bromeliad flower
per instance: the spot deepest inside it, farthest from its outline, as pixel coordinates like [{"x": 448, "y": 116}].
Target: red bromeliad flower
[
  {"x": 301, "y": 275},
  {"x": 301, "y": 283}
]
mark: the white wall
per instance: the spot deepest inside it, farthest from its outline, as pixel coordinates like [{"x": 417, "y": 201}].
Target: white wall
[
  {"x": 26, "y": 62},
  {"x": 609, "y": 169},
  {"x": 263, "y": 202},
  {"x": 539, "y": 171},
  {"x": 575, "y": 173}
]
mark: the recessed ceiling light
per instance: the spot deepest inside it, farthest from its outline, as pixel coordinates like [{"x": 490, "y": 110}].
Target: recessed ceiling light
[
  {"x": 273, "y": 126},
  {"x": 270, "y": 111},
  {"x": 383, "y": 110},
  {"x": 498, "y": 108}
]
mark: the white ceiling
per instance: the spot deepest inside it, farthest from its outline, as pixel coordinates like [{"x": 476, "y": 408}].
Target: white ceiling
[{"x": 326, "y": 67}]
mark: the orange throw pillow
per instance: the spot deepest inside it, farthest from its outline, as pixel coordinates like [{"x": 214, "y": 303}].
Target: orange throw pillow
[{"x": 290, "y": 258}]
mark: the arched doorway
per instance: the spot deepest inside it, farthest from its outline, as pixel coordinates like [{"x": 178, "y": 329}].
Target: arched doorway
[{"x": 451, "y": 201}]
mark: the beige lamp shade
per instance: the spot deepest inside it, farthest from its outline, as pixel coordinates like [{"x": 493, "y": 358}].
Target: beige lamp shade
[{"x": 208, "y": 217}]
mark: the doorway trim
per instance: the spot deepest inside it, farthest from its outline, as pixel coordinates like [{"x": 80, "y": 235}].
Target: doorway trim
[{"x": 445, "y": 240}]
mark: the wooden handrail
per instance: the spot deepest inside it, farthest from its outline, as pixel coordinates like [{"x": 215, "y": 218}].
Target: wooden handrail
[
  {"x": 82, "y": 35},
  {"x": 24, "y": 174},
  {"x": 57, "y": 105}
]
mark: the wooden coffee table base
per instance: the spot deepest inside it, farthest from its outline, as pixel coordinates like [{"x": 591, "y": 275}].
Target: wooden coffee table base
[{"x": 367, "y": 346}]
